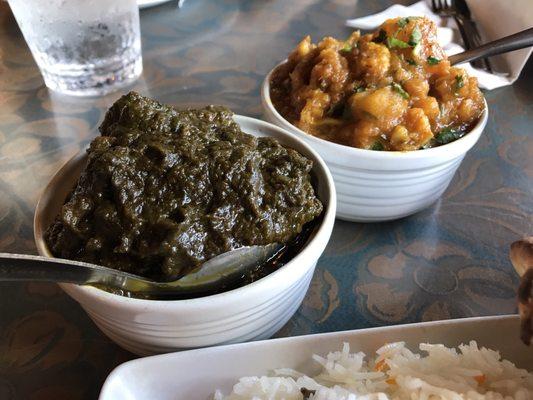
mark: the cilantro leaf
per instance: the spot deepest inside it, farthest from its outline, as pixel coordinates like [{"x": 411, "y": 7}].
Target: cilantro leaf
[
  {"x": 378, "y": 146},
  {"x": 448, "y": 135},
  {"x": 399, "y": 89},
  {"x": 392, "y": 42},
  {"x": 347, "y": 48},
  {"x": 459, "y": 82},
  {"x": 402, "y": 22},
  {"x": 415, "y": 37},
  {"x": 433, "y": 61},
  {"x": 411, "y": 62}
]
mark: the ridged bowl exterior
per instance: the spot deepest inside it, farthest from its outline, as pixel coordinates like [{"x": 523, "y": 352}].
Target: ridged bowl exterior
[
  {"x": 375, "y": 186},
  {"x": 252, "y": 312},
  {"x": 248, "y": 318}
]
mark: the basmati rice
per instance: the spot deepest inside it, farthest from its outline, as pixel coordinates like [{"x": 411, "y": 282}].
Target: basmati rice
[{"x": 396, "y": 373}]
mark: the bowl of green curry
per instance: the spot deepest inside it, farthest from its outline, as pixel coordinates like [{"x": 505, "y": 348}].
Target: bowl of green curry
[{"x": 163, "y": 190}]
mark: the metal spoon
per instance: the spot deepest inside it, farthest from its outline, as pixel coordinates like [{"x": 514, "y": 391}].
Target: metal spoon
[
  {"x": 516, "y": 41},
  {"x": 223, "y": 269}
]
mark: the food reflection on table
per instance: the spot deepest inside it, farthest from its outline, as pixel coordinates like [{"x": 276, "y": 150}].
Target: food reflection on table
[
  {"x": 393, "y": 89},
  {"x": 165, "y": 190}
]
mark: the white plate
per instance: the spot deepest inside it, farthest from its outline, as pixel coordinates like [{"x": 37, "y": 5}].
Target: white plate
[{"x": 196, "y": 374}]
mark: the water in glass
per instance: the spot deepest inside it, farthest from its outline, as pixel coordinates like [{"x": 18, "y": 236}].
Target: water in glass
[{"x": 83, "y": 48}]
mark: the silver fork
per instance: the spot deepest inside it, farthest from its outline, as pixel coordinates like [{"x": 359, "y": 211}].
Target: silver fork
[{"x": 467, "y": 27}]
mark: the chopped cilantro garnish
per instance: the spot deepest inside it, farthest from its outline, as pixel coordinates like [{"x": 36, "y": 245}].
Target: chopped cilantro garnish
[
  {"x": 411, "y": 62},
  {"x": 392, "y": 42},
  {"x": 378, "y": 146},
  {"x": 359, "y": 89},
  {"x": 448, "y": 135},
  {"x": 415, "y": 37},
  {"x": 347, "y": 48},
  {"x": 382, "y": 36},
  {"x": 459, "y": 82},
  {"x": 399, "y": 89},
  {"x": 402, "y": 22},
  {"x": 433, "y": 60}
]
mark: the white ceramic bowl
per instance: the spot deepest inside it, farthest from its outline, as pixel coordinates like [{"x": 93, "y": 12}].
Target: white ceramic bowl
[
  {"x": 252, "y": 312},
  {"x": 377, "y": 186}
]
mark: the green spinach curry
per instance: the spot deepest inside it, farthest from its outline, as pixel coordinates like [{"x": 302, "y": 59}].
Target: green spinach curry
[{"x": 165, "y": 190}]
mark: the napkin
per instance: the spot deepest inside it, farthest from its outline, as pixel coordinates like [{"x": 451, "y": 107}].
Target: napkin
[{"x": 511, "y": 17}]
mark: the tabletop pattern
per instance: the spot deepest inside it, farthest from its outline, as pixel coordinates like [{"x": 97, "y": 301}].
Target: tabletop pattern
[{"x": 449, "y": 261}]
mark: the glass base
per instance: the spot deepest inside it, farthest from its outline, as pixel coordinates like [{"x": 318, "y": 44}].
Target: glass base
[{"x": 94, "y": 83}]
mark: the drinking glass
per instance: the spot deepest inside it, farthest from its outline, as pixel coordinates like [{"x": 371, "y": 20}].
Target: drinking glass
[{"x": 82, "y": 47}]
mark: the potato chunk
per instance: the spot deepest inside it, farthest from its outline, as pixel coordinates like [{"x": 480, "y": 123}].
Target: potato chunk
[
  {"x": 417, "y": 87},
  {"x": 430, "y": 105},
  {"x": 374, "y": 61},
  {"x": 417, "y": 123},
  {"x": 330, "y": 74},
  {"x": 382, "y": 106}
]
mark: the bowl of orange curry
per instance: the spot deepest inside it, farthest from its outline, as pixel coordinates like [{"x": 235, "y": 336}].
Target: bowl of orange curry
[{"x": 387, "y": 112}]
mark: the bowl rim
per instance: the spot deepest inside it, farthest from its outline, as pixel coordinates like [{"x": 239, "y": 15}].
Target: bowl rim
[
  {"x": 322, "y": 234},
  {"x": 459, "y": 146}
]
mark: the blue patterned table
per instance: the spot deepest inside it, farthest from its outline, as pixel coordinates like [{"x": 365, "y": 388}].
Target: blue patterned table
[{"x": 449, "y": 261}]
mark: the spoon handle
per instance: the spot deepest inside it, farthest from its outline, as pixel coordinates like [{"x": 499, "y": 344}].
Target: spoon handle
[
  {"x": 516, "y": 41},
  {"x": 22, "y": 267},
  {"x": 222, "y": 269}
]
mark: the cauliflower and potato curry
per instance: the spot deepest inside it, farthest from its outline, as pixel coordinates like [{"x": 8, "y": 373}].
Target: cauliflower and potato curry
[{"x": 390, "y": 90}]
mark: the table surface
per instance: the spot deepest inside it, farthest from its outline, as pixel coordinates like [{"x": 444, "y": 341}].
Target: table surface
[{"x": 449, "y": 261}]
